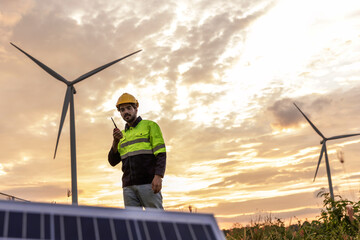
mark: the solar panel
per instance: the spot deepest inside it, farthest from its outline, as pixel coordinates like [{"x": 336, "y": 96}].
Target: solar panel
[{"x": 22, "y": 220}]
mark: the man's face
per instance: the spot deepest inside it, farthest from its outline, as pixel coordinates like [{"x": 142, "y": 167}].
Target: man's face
[{"x": 128, "y": 112}]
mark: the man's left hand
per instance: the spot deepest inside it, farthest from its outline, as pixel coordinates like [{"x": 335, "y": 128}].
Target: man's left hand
[{"x": 156, "y": 184}]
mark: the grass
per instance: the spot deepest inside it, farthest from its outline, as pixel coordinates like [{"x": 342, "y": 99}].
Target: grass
[{"x": 339, "y": 219}]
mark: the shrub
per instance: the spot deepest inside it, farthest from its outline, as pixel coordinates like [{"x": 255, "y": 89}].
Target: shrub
[{"x": 339, "y": 219}]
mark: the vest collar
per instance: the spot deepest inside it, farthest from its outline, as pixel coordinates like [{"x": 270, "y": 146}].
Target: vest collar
[{"x": 138, "y": 119}]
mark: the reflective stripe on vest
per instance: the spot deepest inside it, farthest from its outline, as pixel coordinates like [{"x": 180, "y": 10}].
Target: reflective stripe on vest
[{"x": 135, "y": 141}]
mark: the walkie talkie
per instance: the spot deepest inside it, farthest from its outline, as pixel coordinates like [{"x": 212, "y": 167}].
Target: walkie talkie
[{"x": 113, "y": 122}]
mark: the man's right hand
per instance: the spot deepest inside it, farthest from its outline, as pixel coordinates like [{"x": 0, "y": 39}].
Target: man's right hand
[{"x": 117, "y": 134}]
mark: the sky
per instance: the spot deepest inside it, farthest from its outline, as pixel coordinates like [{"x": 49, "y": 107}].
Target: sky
[{"x": 219, "y": 77}]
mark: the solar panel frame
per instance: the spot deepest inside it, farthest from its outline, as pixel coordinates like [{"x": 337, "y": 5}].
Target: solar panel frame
[{"x": 58, "y": 221}]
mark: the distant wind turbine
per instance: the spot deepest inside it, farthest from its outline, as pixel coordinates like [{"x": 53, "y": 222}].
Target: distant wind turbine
[
  {"x": 69, "y": 99},
  {"x": 324, "y": 150}
]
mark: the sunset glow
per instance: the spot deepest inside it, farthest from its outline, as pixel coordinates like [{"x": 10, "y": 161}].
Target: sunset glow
[{"x": 220, "y": 79}]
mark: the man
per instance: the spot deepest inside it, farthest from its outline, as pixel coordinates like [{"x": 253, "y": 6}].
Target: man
[{"x": 141, "y": 149}]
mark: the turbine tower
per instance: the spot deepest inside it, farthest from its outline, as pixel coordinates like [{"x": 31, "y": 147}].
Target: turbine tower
[
  {"x": 324, "y": 151},
  {"x": 69, "y": 100}
]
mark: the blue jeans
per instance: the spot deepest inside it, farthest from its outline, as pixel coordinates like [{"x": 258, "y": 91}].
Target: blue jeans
[{"x": 142, "y": 196}]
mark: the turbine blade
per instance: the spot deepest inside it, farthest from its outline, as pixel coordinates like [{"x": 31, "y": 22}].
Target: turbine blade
[
  {"x": 43, "y": 66},
  {"x": 312, "y": 125},
  {"x": 321, "y": 154},
  {"x": 344, "y": 136},
  {"x": 63, "y": 115},
  {"x": 86, "y": 75}
]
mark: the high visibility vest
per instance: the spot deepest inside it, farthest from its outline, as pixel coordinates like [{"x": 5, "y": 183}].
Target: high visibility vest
[{"x": 144, "y": 138}]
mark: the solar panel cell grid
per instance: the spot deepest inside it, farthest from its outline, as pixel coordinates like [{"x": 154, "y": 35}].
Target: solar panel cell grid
[
  {"x": 143, "y": 231},
  {"x": 2, "y": 219},
  {"x": 46, "y": 227},
  {"x": 121, "y": 230},
  {"x": 33, "y": 225},
  {"x": 169, "y": 231},
  {"x": 15, "y": 225},
  {"x": 87, "y": 228},
  {"x": 134, "y": 230},
  {"x": 57, "y": 230},
  {"x": 105, "y": 232},
  {"x": 154, "y": 230},
  {"x": 70, "y": 227},
  {"x": 62, "y": 223},
  {"x": 200, "y": 232},
  {"x": 184, "y": 231},
  {"x": 210, "y": 231}
]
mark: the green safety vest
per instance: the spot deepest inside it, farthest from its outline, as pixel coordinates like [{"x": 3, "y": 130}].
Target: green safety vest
[{"x": 144, "y": 138}]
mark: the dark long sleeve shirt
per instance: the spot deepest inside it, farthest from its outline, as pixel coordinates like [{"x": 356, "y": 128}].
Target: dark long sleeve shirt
[{"x": 139, "y": 165}]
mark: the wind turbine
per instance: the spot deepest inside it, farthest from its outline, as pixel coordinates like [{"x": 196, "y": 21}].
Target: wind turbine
[
  {"x": 69, "y": 100},
  {"x": 324, "y": 151}
]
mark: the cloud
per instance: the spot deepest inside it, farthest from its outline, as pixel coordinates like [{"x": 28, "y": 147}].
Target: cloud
[
  {"x": 224, "y": 138},
  {"x": 211, "y": 39},
  {"x": 43, "y": 193},
  {"x": 269, "y": 176},
  {"x": 266, "y": 204},
  {"x": 289, "y": 217}
]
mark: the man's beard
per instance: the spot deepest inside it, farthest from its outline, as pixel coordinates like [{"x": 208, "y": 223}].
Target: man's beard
[{"x": 131, "y": 119}]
